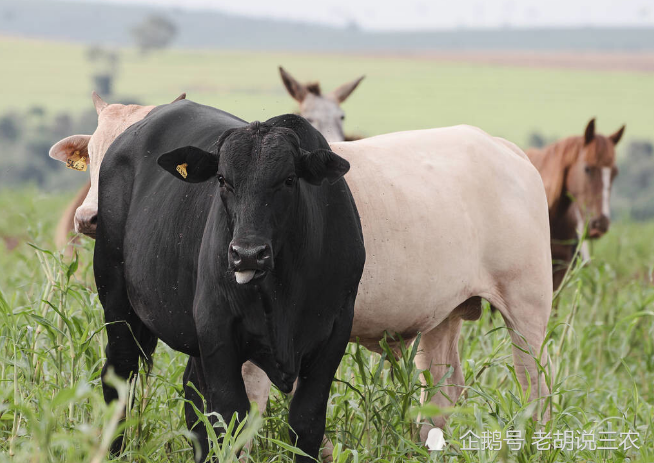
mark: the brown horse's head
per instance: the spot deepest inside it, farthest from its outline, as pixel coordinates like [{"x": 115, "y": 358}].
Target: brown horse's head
[
  {"x": 322, "y": 111},
  {"x": 589, "y": 173}
]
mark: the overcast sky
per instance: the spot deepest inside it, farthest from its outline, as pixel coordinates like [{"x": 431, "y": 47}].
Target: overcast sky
[{"x": 435, "y": 14}]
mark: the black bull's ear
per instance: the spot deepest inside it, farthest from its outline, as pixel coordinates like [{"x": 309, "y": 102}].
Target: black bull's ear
[
  {"x": 189, "y": 164},
  {"x": 315, "y": 166}
]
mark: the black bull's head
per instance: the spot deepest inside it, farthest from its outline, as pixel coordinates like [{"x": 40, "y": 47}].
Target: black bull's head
[{"x": 259, "y": 169}]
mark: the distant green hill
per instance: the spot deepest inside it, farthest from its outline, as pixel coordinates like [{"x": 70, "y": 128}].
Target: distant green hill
[
  {"x": 46, "y": 90},
  {"x": 110, "y": 24}
]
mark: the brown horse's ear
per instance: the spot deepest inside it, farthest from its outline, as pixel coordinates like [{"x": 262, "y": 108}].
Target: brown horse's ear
[
  {"x": 181, "y": 97},
  {"x": 590, "y": 132},
  {"x": 98, "y": 102},
  {"x": 615, "y": 138},
  {"x": 341, "y": 93},
  {"x": 296, "y": 89}
]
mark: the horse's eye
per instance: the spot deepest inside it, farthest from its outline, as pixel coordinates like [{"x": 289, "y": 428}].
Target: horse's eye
[
  {"x": 587, "y": 169},
  {"x": 221, "y": 180},
  {"x": 343, "y": 117},
  {"x": 289, "y": 180}
]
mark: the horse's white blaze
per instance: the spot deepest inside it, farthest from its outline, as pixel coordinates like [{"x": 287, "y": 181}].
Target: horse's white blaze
[
  {"x": 244, "y": 277},
  {"x": 606, "y": 185}
]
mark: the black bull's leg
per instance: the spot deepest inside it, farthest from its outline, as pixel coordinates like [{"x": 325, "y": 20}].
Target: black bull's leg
[{"x": 308, "y": 411}]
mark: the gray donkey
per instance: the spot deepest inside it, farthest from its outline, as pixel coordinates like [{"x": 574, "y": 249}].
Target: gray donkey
[{"x": 322, "y": 111}]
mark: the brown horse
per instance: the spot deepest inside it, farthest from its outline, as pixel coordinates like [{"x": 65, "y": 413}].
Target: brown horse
[
  {"x": 66, "y": 226},
  {"x": 577, "y": 173},
  {"x": 322, "y": 111}
]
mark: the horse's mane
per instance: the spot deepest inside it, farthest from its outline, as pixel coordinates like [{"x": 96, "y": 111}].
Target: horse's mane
[
  {"x": 568, "y": 149},
  {"x": 561, "y": 149},
  {"x": 552, "y": 162}
]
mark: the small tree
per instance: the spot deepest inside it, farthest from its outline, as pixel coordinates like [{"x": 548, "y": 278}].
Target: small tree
[
  {"x": 105, "y": 68},
  {"x": 155, "y": 32},
  {"x": 634, "y": 187},
  {"x": 10, "y": 129}
]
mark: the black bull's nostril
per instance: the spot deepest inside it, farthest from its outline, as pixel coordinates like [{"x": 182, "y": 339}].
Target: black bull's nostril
[{"x": 245, "y": 256}]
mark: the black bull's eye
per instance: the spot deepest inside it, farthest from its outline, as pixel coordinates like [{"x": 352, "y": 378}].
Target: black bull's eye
[
  {"x": 289, "y": 180},
  {"x": 221, "y": 180}
]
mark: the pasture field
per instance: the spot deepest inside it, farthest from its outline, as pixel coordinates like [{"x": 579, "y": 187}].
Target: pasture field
[
  {"x": 399, "y": 92},
  {"x": 601, "y": 338},
  {"x": 601, "y": 342}
]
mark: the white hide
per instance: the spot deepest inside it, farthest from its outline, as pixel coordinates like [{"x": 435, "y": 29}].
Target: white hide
[{"x": 446, "y": 214}]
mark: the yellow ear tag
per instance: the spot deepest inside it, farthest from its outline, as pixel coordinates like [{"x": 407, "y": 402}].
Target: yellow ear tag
[
  {"x": 182, "y": 170},
  {"x": 76, "y": 161}
]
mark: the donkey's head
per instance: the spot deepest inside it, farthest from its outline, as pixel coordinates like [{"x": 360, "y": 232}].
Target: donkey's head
[{"x": 322, "y": 111}]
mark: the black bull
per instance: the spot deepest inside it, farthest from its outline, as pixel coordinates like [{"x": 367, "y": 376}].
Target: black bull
[{"x": 253, "y": 203}]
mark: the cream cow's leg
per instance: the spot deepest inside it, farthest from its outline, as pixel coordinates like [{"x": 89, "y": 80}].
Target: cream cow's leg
[
  {"x": 257, "y": 387},
  {"x": 526, "y": 316},
  {"x": 438, "y": 351}
]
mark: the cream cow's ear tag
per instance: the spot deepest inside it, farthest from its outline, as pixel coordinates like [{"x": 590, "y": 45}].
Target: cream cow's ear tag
[
  {"x": 182, "y": 170},
  {"x": 77, "y": 161}
]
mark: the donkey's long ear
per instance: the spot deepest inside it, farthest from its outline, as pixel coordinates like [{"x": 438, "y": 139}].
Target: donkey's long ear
[
  {"x": 589, "y": 134},
  {"x": 615, "y": 138},
  {"x": 296, "y": 89},
  {"x": 341, "y": 93}
]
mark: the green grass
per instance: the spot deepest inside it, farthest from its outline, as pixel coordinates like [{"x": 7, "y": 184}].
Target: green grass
[
  {"x": 601, "y": 342},
  {"x": 51, "y": 325},
  {"x": 399, "y": 93}
]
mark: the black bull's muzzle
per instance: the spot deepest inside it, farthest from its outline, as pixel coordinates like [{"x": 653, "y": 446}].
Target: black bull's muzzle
[{"x": 250, "y": 258}]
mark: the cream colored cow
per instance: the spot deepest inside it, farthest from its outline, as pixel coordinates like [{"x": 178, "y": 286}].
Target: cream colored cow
[{"x": 80, "y": 152}]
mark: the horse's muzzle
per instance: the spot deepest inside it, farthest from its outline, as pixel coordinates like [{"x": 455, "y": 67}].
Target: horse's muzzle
[{"x": 598, "y": 227}]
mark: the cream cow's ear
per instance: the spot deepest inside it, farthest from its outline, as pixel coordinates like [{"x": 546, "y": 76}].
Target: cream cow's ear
[{"x": 73, "y": 151}]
